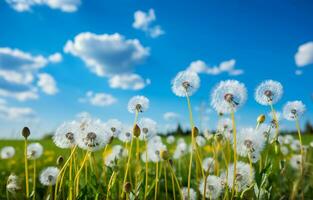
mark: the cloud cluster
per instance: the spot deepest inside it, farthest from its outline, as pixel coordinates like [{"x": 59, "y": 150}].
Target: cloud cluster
[
  {"x": 304, "y": 55},
  {"x": 26, "y": 5},
  {"x": 145, "y": 21},
  {"x": 98, "y": 99},
  {"x": 15, "y": 113},
  {"x": 128, "y": 82},
  {"x": 228, "y": 66},
  {"x": 19, "y": 72}
]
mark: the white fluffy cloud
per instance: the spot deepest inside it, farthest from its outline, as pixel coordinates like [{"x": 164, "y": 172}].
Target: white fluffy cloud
[
  {"x": 18, "y": 72},
  {"x": 98, "y": 99},
  {"x": 171, "y": 116},
  {"x": 47, "y": 84},
  {"x": 106, "y": 54},
  {"x": 14, "y": 113},
  {"x": 304, "y": 55},
  {"x": 128, "y": 82},
  {"x": 145, "y": 21},
  {"x": 228, "y": 66},
  {"x": 26, "y": 5}
]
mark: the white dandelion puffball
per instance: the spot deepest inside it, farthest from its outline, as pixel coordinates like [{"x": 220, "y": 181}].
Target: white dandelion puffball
[
  {"x": 267, "y": 131},
  {"x": 200, "y": 141},
  {"x": 228, "y": 96},
  {"x": 295, "y": 145},
  {"x": 181, "y": 149},
  {"x": 225, "y": 128},
  {"x": 185, "y": 83},
  {"x": 64, "y": 135},
  {"x": 213, "y": 187},
  {"x": 170, "y": 139},
  {"x": 208, "y": 165},
  {"x": 114, "y": 127},
  {"x": 116, "y": 153},
  {"x": 34, "y": 151},
  {"x": 13, "y": 184},
  {"x": 148, "y": 128},
  {"x": 154, "y": 150},
  {"x": 138, "y": 104},
  {"x": 192, "y": 194},
  {"x": 287, "y": 139},
  {"x": 293, "y": 110},
  {"x": 243, "y": 177},
  {"x": 7, "y": 152},
  {"x": 126, "y": 134},
  {"x": 268, "y": 92},
  {"x": 249, "y": 142},
  {"x": 93, "y": 136},
  {"x": 49, "y": 175},
  {"x": 284, "y": 150},
  {"x": 296, "y": 162}
]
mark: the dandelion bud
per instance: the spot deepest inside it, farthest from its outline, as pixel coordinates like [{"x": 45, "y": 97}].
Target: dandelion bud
[
  {"x": 220, "y": 114},
  {"x": 128, "y": 187},
  {"x": 261, "y": 119},
  {"x": 60, "y": 160},
  {"x": 195, "y": 131},
  {"x": 25, "y": 132},
  {"x": 136, "y": 130},
  {"x": 165, "y": 155}
]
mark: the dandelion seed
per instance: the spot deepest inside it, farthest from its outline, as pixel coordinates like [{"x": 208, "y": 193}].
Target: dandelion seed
[
  {"x": 34, "y": 151},
  {"x": 244, "y": 176},
  {"x": 114, "y": 127},
  {"x": 185, "y": 83},
  {"x": 213, "y": 188},
  {"x": 138, "y": 104},
  {"x": 296, "y": 162},
  {"x": 192, "y": 195},
  {"x": 49, "y": 176},
  {"x": 64, "y": 135},
  {"x": 293, "y": 110},
  {"x": 228, "y": 96},
  {"x": 208, "y": 165},
  {"x": 268, "y": 92},
  {"x": 148, "y": 128},
  {"x": 7, "y": 152}
]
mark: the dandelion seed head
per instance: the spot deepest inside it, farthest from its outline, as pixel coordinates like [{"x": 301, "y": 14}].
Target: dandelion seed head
[
  {"x": 243, "y": 176},
  {"x": 114, "y": 127},
  {"x": 192, "y": 194},
  {"x": 148, "y": 128},
  {"x": 13, "y": 184},
  {"x": 49, "y": 175},
  {"x": 138, "y": 104},
  {"x": 200, "y": 141},
  {"x": 126, "y": 134},
  {"x": 154, "y": 150},
  {"x": 293, "y": 110},
  {"x": 225, "y": 128},
  {"x": 208, "y": 165},
  {"x": 170, "y": 139},
  {"x": 34, "y": 151},
  {"x": 7, "y": 152},
  {"x": 295, "y": 145},
  {"x": 64, "y": 136},
  {"x": 181, "y": 149},
  {"x": 296, "y": 162},
  {"x": 185, "y": 83},
  {"x": 284, "y": 150},
  {"x": 213, "y": 187},
  {"x": 228, "y": 96},
  {"x": 268, "y": 92}
]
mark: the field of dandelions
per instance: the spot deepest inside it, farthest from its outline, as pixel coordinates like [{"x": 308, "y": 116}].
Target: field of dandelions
[{"x": 91, "y": 159}]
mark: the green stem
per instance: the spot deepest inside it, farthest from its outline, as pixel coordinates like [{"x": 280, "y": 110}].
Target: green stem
[
  {"x": 235, "y": 151},
  {"x": 26, "y": 168},
  {"x": 156, "y": 181},
  {"x": 34, "y": 181}
]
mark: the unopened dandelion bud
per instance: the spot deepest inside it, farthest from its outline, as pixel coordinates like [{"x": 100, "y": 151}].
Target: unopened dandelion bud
[
  {"x": 195, "y": 131},
  {"x": 128, "y": 187},
  {"x": 165, "y": 155},
  {"x": 261, "y": 119},
  {"x": 25, "y": 132},
  {"x": 136, "y": 130},
  {"x": 220, "y": 114},
  {"x": 60, "y": 160}
]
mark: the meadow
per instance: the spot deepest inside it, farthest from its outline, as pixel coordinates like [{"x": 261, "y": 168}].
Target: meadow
[{"x": 90, "y": 159}]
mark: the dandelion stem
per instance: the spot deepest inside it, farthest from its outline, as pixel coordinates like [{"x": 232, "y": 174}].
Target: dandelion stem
[
  {"x": 156, "y": 180},
  {"x": 235, "y": 150},
  {"x": 147, "y": 165},
  {"x": 109, "y": 184},
  {"x": 76, "y": 180},
  {"x": 204, "y": 189},
  {"x": 175, "y": 178},
  {"x": 165, "y": 177},
  {"x": 34, "y": 181},
  {"x": 26, "y": 168}
]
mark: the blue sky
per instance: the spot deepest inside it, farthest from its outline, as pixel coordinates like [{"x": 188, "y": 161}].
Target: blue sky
[{"x": 257, "y": 39}]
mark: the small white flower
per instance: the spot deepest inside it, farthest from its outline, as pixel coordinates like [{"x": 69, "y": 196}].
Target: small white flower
[
  {"x": 192, "y": 194},
  {"x": 114, "y": 127},
  {"x": 208, "y": 165},
  {"x": 249, "y": 142},
  {"x": 293, "y": 110},
  {"x": 268, "y": 92},
  {"x": 228, "y": 96},
  {"x": 138, "y": 104},
  {"x": 185, "y": 83},
  {"x": 93, "y": 136},
  {"x": 243, "y": 176},
  {"x": 64, "y": 135},
  {"x": 7, "y": 152},
  {"x": 148, "y": 128},
  {"x": 34, "y": 151},
  {"x": 126, "y": 134},
  {"x": 170, "y": 139},
  {"x": 13, "y": 184},
  {"x": 213, "y": 187},
  {"x": 296, "y": 162},
  {"x": 49, "y": 175}
]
